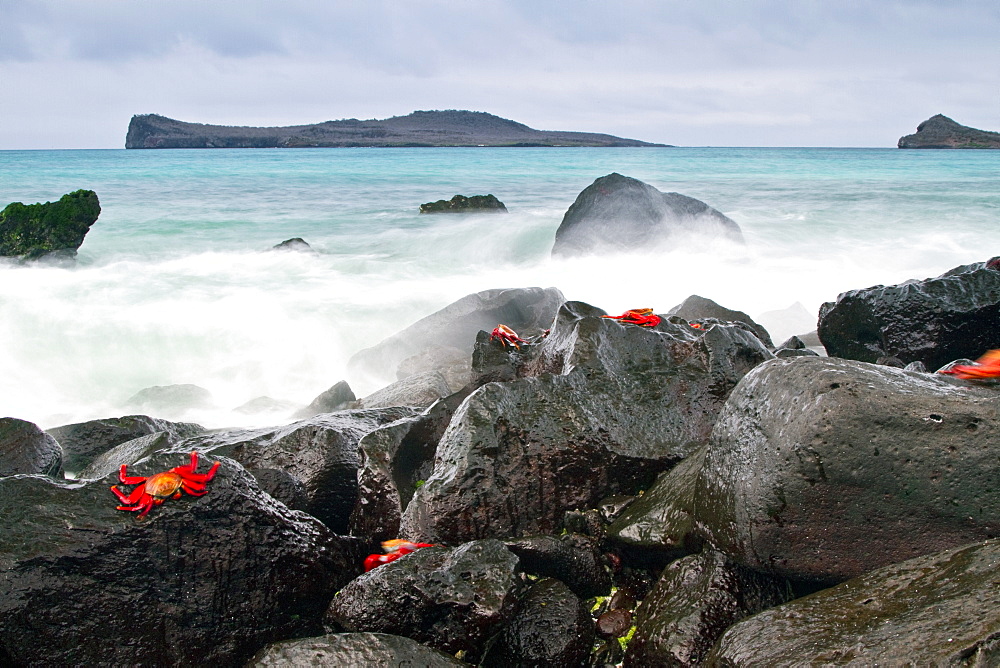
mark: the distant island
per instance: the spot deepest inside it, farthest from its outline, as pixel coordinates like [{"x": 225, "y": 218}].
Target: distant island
[
  {"x": 941, "y": 132},
  {"x": 421, "y": 128}
]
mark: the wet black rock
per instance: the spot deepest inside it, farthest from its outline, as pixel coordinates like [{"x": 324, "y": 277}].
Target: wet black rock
[
  {"x": 207, "y": 579},
  {"x": 573, "y": 559},
  {"x": 321, "y": 453},
  {"x": 617, "y": 213},
  {"x": 453, "y": 599},
  {"x": 658, "y": 526},
  {"x": 527, "y": 310},
  {"x": 352, "y": 650},
  {"x": 937, "y": 610},
  {"x": 33, "y": 231},
  {"x": 696, "y": 308},
  {"x": 604, "y": 408},
  {"x": 795, "y": 352},
  {"x": 337, "y": 398},
  {"x": 463, "y": 204},
  {"x": 83, "y": 441},
  {"x": 396, "y": 459},
  {"x": 853, "y": 466},
  {"x": 695, "y": 600},
  {"x": 128, "y": 452},
  {"x": 24, "y": 448},
  {"x": 552, "y": 628},
  {"x": 419, "y": 390},
  {"x": 933, "y": 321}
]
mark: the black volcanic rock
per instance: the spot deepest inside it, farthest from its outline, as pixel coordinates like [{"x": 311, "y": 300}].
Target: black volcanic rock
[
  {"x": 934, "y": 321},
  {"x": 32, "y": 231},
  {"x": 821, "y": 469},
  {"x": 942, "y": 132},
  {"x": 24, "y": 448},
  {"x": 421, "y": 128},
  {"x": 463, "y": 204},
  {"x": 618, "y": 213},
  {"x": 203, "y": 580}
]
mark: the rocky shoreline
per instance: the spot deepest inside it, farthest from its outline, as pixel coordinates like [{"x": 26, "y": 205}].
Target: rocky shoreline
[
  {"x": 606, "y": 494},
  {"x": 575, "y": 488}
]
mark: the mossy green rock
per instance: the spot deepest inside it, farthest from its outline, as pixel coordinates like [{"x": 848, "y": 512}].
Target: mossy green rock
[
  {"x": 937, "y": 610},
  {"x": 31, "y": 231}
]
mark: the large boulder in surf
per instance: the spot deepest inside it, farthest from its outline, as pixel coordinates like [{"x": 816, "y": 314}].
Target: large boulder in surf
[
  {"x": 934, "y": 321},
  {"x": 527, "y": 310},
  {"x": 200, "y": 580},
  {"x": 618, "y": 214},
  {"x": 937, "y": 610},
  {"x": 24, "y": 448},
  {"x": 452, "y": 599},
  {"x": 33, "y": 231},
  {"x": 83, "y": 441},
  {"x": 822, "y": 469},
  {"x": 600, "y": 409}
]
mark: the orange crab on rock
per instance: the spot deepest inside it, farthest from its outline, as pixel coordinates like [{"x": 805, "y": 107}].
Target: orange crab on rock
[
  {"x": 394, "y": 549},
  {"x": 157, "y": 488},
  {"x": 644, "y": 317},
  {"x": 507, "y": 336},
  {"x": 986, "y": 367}
]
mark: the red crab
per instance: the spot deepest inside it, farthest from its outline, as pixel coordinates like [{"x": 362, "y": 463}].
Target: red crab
[
  {"x": 394, "y": 550},
  {"x": 157, "y": 488},
  {"x": 986, "y": 367},
  {"x": 644, "y": 317},
  {"x": 506, "y": 336}
]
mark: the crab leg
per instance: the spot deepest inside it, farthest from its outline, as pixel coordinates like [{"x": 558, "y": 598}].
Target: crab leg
[
  {"x": 129, "y": 499},
  {"x": 129, "y": 479}
]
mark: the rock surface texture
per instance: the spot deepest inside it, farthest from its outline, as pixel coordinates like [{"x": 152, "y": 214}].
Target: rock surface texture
[
  {"x": 207, "y": 579},
  {"x": 941, "y": 132},
  {"x": 600, "y": 409},
  {"x": 33, "y": 231},
  {"x": 618, "y": 214},
  {"x": 452, "y": 599},
  {"x": 24, "y": 448},
  {"x": 352, "y": 650},
  {"x": 934, "y": 321},
  {"x": 937, "y": 610},
  {"x": 822, "y": 469},
  {"x": 421, "y": 128}
]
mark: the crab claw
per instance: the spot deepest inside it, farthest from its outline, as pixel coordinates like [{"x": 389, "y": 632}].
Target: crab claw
[{"x": 986, "y": 367}]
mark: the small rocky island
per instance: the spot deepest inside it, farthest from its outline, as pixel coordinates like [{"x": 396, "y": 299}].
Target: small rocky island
[
  {"x": 939, "y": 131},
  {"x": 419, "y": 129}
]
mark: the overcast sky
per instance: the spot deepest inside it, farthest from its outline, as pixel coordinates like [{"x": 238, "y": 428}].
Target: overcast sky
[{"x": 692, "y": 73}]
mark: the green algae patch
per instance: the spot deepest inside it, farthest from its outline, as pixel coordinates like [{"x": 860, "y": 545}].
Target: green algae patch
[{"x": 31, "y": 231}]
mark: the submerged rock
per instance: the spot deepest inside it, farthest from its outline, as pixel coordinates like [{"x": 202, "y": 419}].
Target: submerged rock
[
  {"x": 617, "y": 214},
  {"x": 822, "y": 469},
  {"x": 937, "y": 610},
  {"x": 463, "y": 204},
  {"x": 33, "y": 231},
  {"x": 352, "y": 650},
  {"x": 296, "y": 244},
  {"x": 453, "y": 599},
  {"x": 605, "y": 407},
  {"x": 337, "y": 398},
  {"x": 207, "y": 579},
  {"x": 171, "y": 400},
  {"x": 933, "y": 321},
  {"x": 24, "y": 448}
]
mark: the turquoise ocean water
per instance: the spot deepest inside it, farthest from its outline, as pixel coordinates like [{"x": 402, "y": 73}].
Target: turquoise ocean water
[{"x": 172, "y": 284}]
